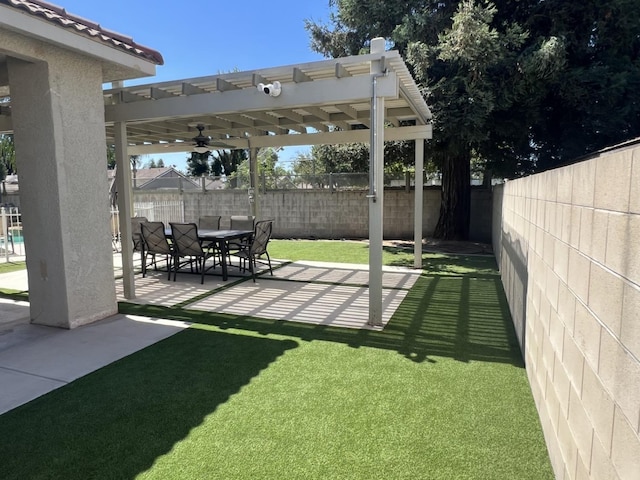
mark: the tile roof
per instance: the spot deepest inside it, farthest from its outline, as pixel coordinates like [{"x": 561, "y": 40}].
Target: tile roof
[{"x": 59, "y": 16}]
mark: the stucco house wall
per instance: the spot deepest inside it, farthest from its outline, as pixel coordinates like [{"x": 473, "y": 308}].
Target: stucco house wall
[
  {"x": 52, "y": 67},
  {"x": 567, "y": 245},
  {"x": 57, "y": 197}
]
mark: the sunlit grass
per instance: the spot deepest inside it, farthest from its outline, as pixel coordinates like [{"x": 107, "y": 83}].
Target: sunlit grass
[{"x": 6, "y": 267}]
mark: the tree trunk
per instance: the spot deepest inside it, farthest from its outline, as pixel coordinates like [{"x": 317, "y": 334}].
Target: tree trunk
[{"x": 455, "y": 208}]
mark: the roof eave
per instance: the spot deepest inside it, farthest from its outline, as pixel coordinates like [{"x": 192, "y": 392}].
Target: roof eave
[{"x": 117, "y": 64}]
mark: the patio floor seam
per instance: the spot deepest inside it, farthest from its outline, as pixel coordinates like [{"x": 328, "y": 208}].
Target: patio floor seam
[{"x": 31, "y": 374}]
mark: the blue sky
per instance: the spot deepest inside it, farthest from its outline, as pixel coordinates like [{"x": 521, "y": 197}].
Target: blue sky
[{"x": 211, "y": 36}]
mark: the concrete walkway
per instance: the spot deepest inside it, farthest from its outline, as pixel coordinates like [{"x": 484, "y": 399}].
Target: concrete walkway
[{"x": 37, "y": 359}]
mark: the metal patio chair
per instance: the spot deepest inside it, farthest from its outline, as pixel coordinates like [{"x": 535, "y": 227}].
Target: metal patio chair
[
  {"x": 257, "y": 247},
  {"x": 187, "y": 246},
  {"x": 239, "y": 222},
  {"x": 155, "y": 243},
  {"x": 136, "y": 236},
  {"x": 209, "y": 222}
]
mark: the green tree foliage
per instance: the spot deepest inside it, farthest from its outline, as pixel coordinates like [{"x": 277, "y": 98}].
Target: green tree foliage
[
  {"x": 111, "y": 157},
  {"x": 596, "y": 101},
  {"x": 198, "y": 164},
  {"x": 136, "y": 162},
  {"x": 345, "y": 158},
  {"x": 517, "y": 86},
  {"x": 309, "y": 169},
  {"x": 270, "y": 174},
  {"x": 225, "y": 162},
  {"x": 7, "y": 156}
]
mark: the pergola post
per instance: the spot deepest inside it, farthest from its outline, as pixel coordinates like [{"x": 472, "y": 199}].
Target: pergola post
[
  {"x": 125, "y": 200},
  {"x": 254, "y": 191},
  {"x": 376, "y": 189},
  {"x": 125, "y": 203},
  {"x": 418, "y": 205}
]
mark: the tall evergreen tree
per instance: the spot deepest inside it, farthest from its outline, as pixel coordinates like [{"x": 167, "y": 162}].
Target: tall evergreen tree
[{"x": 519, "y": 85}]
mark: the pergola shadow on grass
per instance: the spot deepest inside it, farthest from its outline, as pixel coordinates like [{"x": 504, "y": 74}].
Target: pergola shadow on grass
[
  {"x": 461, "y": 317},
  {"x": 438, "y": 394}
]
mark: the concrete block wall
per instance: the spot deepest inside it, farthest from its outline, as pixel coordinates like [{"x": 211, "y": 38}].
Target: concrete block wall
[
  {"x": 322, "y": 214},
  {"x": 568, "y": 245}
]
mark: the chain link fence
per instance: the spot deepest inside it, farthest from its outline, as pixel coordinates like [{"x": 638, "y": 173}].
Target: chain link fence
[{"x": 269, "y": 181}]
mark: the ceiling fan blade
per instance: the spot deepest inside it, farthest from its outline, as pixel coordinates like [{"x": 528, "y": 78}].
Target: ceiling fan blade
[{"x": 221, "y": 145}]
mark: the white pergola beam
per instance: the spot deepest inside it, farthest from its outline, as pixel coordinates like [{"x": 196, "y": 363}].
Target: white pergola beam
[{"x": 294, "y": 95}]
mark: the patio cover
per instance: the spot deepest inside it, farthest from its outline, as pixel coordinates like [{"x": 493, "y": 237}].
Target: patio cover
[{"x": 364, "y": 98}]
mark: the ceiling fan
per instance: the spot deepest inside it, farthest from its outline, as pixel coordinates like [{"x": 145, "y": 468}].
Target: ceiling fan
[
  {"x": 204, "y": 144},
  {"x": 201, "y": 143}
]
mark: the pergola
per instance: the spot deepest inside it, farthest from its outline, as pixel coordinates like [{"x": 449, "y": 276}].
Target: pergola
[{"x": 366, "y": 98}]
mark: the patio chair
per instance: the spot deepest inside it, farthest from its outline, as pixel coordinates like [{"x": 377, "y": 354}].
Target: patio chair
[
  {"x": 257, "y": 247},
  {"x": 155, "y": 243},
  {"x": 210, "y": 222},
  {"x": 239, "y": 222},
  {"x": 187, "y": 245},
  {"x": 136, "y": 236}
]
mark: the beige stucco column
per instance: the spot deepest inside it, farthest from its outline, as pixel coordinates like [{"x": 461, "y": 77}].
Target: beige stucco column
[{"x": 58, "y": 119}]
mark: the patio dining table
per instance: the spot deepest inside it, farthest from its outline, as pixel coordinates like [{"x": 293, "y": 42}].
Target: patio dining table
[{"x": 221, "y": 238}]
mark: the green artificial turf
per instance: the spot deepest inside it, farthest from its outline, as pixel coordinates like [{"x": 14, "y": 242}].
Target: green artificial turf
[
  {"x": 441, "y": 393},
  {"x": 7, "y": 267},
  {"x": 348, "y": 251},
  {"x": 9, "y": 292}
]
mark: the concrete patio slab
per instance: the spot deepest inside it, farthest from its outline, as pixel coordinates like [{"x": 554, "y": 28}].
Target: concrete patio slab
[
  {"x": 13, "y": 311},
  {"x": 156, "y": 289},
  {"x": 313, "y": 292},
  {"x": 321, "y": 304},
  {"x": 35, "y": 359},
  {"x": 15, "y": 281}
]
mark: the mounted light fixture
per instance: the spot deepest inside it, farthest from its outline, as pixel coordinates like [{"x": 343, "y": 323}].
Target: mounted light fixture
[{"x": 201, "y": 143}]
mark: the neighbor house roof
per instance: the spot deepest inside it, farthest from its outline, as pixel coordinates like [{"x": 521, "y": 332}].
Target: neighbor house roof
[
  {"x": 158, "y": 178},
  {"x": 82, "y": 26}
]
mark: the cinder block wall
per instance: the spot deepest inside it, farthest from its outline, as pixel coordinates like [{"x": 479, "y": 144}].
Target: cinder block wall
[
  {"x": 568, "y": 245},
  {"x": 322, "y": 214}
]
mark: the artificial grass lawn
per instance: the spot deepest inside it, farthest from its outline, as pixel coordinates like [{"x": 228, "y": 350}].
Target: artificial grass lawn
[
  {"x": 439, "y": 394},
  {"x": 7, "y": 267}
]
